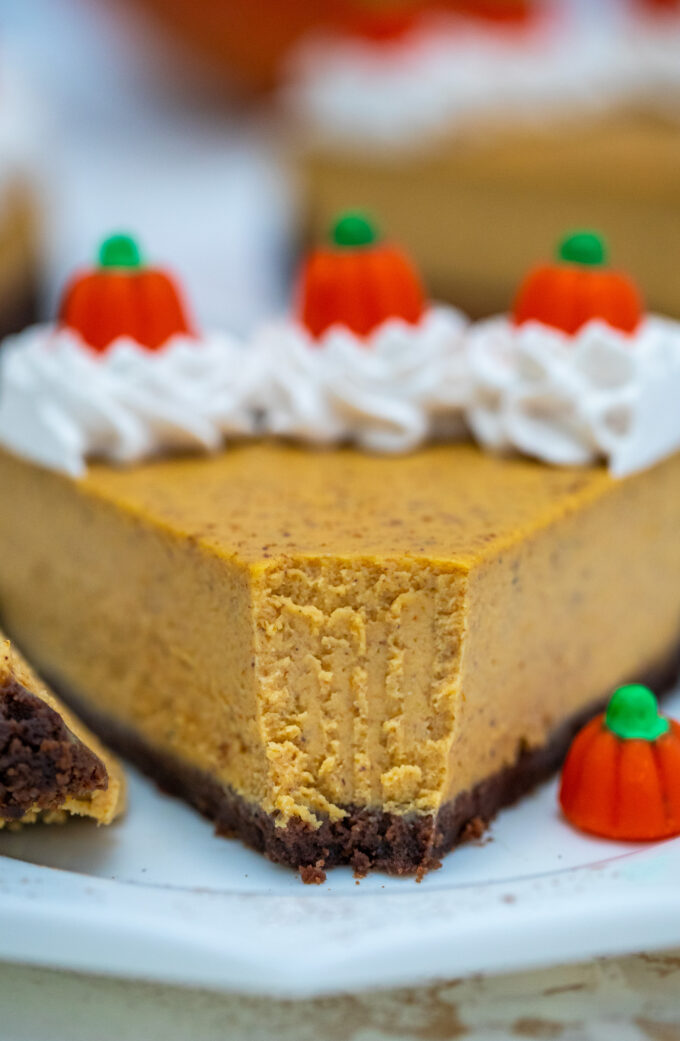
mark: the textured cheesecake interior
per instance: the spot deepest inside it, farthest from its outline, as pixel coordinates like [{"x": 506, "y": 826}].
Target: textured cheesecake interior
[{"x": 323, "y": 630}]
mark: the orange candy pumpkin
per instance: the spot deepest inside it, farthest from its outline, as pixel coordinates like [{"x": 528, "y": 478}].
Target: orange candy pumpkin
[
  {"x": 121, "y": 297},
  {"x": 578, "y": 288},
  {"x": 358, "y": 281},
  {"x": 621, "y": 778}
]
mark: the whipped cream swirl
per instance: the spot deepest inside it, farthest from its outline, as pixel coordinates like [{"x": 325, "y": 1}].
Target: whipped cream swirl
[
  {"x": 600, "y": 395},
  {"x": 61, "y": 403},
  {"x": 576, "y": 400},
  {"x": 387, "y": 393}
]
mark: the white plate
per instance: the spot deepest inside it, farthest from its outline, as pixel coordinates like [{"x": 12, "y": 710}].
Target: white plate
[{"x": 157, "y": 896}]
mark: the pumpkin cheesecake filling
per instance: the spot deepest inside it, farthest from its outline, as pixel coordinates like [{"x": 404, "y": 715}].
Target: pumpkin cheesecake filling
[
  {"x": 357, "y": 667},
  {"x": 338, "y": 656}
]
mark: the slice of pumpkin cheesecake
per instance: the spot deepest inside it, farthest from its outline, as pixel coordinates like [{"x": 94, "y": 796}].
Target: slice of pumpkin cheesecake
[
  {"x": 338, "y": 657},
  {"x": 356, "y": 655},
  {"x": 50, "y": 765}
]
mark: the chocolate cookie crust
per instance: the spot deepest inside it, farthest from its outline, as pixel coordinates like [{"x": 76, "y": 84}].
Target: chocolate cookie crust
[
  {"x": 41, "y": 762},
  {"x": 366, "y": 838}
]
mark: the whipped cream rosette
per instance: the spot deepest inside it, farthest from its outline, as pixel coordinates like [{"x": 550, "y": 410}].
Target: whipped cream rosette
[
  {"x": 387, "y": 392},
  {"x": 121, "y": 376},
  {"x": 62, "y": 404},
  {"x": 577, "y": 374},
  {"x": 367, "y": 360}
]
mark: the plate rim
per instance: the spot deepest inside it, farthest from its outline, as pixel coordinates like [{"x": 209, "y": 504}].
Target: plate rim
[{"x": 232, "y": 941}]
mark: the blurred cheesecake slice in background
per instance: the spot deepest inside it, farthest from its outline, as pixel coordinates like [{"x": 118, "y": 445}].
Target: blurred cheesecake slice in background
[
  {"x": 475, "y": 141},
  {"x": 480, "y": 210}
]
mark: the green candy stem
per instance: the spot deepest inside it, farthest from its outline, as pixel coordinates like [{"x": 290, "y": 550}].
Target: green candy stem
[
  {"x": 353, "y": 229},
  {"x": 120, "y": 251},
  {"x": 633, "y": 714},
  {"x": 583, "y": 247}
]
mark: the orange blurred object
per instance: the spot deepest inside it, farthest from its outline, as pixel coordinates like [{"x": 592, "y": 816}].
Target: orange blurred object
[
  {"x": 358, "y": 282},
  {"x": 660, "y": 5},
  {"x": 509, "y": 11},
  {"x": 122, "y": 298},
  {"x": 248, "y": 41}
]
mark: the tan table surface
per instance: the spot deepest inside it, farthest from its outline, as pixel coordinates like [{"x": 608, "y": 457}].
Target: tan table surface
[{"x": 628, "y": 999}]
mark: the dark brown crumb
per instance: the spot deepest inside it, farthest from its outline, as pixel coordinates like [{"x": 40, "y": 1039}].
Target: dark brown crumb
[
  {"x": 313, "y": 874},
  {"x": 474, "y": 829},
  {"x": 41, "y": 762},
  {"x": 361, "y": 864}
]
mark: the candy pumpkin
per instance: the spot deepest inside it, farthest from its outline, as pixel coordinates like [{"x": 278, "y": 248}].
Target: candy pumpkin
[
  {"x": 579, "y": 288},
  {"x": 122, "y": 297},
  {"x": 621, "y": 778},
  {"x": 358, "y": 281}
]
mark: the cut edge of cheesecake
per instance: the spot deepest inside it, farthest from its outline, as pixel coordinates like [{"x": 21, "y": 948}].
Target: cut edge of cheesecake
[
  {"x": 365, "y": 838},
  {"x": 51, "y": 766}
]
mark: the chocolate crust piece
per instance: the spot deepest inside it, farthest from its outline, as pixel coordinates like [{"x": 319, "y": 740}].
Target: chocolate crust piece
[
  {"x": 41, "y": 762},
  {"x": 366, "y": 838}
]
